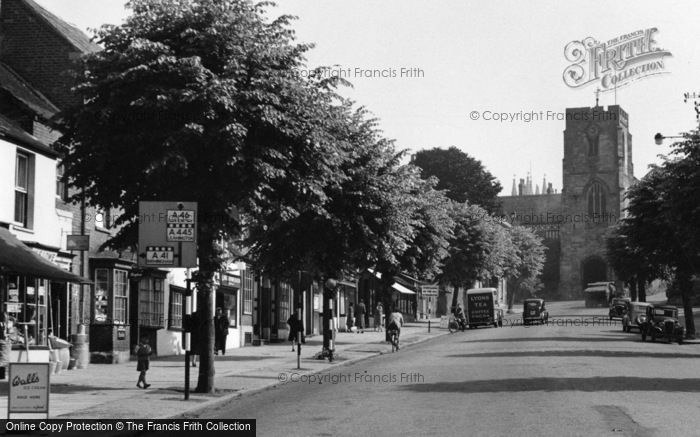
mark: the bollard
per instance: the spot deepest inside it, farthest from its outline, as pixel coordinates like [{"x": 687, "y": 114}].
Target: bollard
[{"x": 428, "y": 326}]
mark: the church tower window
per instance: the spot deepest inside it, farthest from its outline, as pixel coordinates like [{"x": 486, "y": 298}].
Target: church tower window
[{"x": 596, "y": 202}]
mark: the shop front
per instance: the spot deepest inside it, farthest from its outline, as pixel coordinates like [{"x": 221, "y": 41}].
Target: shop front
[
  {"x": 109, "y": 322},
  {"x": 26, "y": 282},
  {"x": 227, "y": 299}
]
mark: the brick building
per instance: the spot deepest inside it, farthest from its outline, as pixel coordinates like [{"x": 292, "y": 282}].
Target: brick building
[{"x": 597, "y": 171}]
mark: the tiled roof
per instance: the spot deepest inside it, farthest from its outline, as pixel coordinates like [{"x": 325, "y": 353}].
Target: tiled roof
[
  {"x": 10, "y": 130},
  {"x": 71, "y": 33},
  {"x": 25, "y": 93}
]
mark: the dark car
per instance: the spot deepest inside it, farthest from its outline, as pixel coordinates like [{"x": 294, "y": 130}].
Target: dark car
[
  {"x": 662, "y": 322},
  {"x": 619, "y": 307},
  {"x": 534, "y": 311}
]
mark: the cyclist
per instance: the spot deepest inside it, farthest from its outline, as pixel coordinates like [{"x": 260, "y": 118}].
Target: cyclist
[
  {"x": 394, "y": 323},
  {"x": 460, "y": 316}
]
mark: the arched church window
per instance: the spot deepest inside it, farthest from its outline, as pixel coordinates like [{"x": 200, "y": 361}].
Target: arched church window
[{"x": 596, "y": 202}]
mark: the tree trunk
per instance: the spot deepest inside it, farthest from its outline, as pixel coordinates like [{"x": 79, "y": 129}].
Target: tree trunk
[
  {"x": 386, "y": 297},
  {"x": 205, "y": 304},
  {"x": 209, "y": 263},
  {"x": 641, "y": 289},
  {"x": 455, "y": 299},
  {"x": 686, "y": 286},
  {"x": 327, "y": 316},
  {"x": 512, "y": 288},
  {"x": 633, "y": 289}
]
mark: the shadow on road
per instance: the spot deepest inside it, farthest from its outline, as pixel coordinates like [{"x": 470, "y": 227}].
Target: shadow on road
[
  {"x": 577, "y": 353},
  {"x": 582, "y": 339},
  {"x": 595, "y": 384}
]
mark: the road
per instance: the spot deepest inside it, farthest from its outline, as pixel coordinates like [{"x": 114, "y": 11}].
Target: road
[{"x": 571, "y": 377}]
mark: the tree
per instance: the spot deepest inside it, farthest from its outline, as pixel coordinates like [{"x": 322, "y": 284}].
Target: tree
[
  {"x": 629, "y": 255},
  {"x": 463, "y": 177},
  {"x": 529, "y": 261},
  {"x": 199, "y": 100},
  {"x": 468, "y": 251},
  {"x": 658, "y": 232},
  {"x": 377, "y": 213}
]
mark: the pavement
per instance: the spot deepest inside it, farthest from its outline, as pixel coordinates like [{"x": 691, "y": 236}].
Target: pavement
[{"x": 103, "y": 391}]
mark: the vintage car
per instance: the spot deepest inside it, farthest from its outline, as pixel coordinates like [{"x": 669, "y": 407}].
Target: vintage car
[
  {"x": 534, "y": 311},
  {"x": 662, "y": 322},
  {"x": 618, "y": 307},
  {"x": 634, "y": 316}
]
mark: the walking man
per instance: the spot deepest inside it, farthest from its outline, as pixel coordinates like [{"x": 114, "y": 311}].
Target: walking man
[
  {"x": 360, "y": 313},
  {"x": 221, "y": 323}
]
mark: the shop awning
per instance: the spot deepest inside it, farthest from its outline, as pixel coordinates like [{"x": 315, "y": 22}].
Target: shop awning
[
  {"x": 401, "y": 289},
  {"x": 16, "y": 257},
  {"x": 396, "y": 286}
]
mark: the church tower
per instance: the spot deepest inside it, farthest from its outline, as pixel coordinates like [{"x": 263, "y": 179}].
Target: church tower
[{"x": 597, "y": 170}]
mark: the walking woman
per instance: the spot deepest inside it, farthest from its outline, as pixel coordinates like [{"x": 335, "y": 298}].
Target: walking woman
[{"x": 143, "y": 353}]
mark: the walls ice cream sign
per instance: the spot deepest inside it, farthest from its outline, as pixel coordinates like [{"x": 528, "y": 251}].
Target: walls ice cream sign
[{"x": 614, "y": 63}]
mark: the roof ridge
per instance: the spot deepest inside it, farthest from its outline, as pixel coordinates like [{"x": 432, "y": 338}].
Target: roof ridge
[
  {"x": 70, "y": 32},
  {"x": 30, "y": 88}
]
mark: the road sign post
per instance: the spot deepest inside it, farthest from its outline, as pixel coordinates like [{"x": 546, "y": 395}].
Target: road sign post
[{"x": 168, "y": 238}]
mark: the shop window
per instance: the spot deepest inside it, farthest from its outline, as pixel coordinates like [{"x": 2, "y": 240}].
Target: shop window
[
  {"x": 26, "y": 309},
  {"x": 229, "y": 303},
  {"x": 101, "y": 295},
  {"x": 247, "y": 281},
  {"x": 151, "y": 302},
  {"x": 177, "y": 303},
  {"x": 121, "y": 295}
]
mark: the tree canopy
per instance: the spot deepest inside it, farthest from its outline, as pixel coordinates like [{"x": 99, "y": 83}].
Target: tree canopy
[
  {"x": 462, "y": 177},
  {"x": 659, "y": 237},
  {"x": 201, "y": 101}
]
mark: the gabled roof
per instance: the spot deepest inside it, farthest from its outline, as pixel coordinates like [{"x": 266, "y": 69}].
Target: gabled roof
[
  {"x": 10, "y": 130},
  {"x": 69, "y": 32},
  {"x": 25, "y": 93}
]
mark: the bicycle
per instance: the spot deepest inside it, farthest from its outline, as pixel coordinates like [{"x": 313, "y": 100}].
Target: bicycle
[
  {"x": 454, "y": 324},
  {"x": 394, "y": 335}
]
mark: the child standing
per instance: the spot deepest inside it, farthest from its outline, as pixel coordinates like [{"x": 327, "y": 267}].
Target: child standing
[{"x": 143, "y": 354}]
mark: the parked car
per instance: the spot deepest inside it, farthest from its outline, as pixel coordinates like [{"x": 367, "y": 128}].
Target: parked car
[
  {"x": 635, "y": 316},
  {"x": 662, "y": 322},
  {"x": 534, "y": 311},
  {"x": 618, "y": 307}
]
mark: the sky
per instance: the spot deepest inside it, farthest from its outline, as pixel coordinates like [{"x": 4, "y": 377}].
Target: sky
[{"x": 436, "y": 73}]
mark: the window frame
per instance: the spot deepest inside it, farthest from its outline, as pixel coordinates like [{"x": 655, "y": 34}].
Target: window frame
[
  {"x": 120, "y": 301},
  {"x": 22, "y": 192},
  {"x": 151, "y": 302},
  {"x": 175, "y": 320},
  {"x": 61, "y": 186},
  {"x": 247, "y": 285}
]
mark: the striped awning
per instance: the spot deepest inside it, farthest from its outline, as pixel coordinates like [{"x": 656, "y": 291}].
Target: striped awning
[
  {"x": 18, "y": 258},
  {"x": 396, "y": 286}
]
